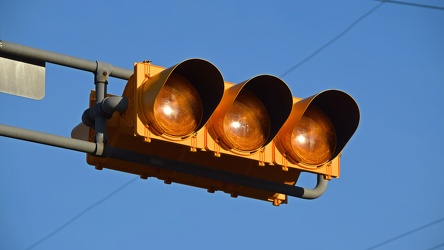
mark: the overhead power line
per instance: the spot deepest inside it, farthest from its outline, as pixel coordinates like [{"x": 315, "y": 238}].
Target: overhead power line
[
  {"x": 351, "y": 26},
  {"x": 406, "y": 233},
  {"x": 436, "y": 247},
  {"x": 412, "y": 4},
  {"x": 80, "y": 214}
]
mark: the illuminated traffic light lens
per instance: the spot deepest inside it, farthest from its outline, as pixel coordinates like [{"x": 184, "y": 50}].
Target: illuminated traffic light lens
[
  {"x": 178, "y": 107},
  {"x": 246, "y": 123},
  {"x": 313, "y": 139}
]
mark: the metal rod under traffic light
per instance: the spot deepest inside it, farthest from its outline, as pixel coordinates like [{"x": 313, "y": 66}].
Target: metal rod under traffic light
[{"x": 91, "y": 148}]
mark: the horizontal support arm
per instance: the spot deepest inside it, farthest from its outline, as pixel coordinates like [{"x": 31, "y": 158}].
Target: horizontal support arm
[
  {"x": 60, "y": 59},
  {"x": 125, "y": 155},
  {"x": 47, "y": 139}
]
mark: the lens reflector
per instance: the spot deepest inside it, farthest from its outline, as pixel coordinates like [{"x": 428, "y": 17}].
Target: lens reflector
[
  {"x": 246, "y": 123},
  {"x": 313, "y": 139},
  {"x": 178, "y": 107}
]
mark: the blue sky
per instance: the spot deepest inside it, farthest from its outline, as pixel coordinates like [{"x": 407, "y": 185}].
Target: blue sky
[{"x": 392, "y": 63}]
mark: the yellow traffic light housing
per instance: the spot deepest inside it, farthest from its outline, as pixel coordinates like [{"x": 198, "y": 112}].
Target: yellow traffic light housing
[{"x": 187, "y": 113}]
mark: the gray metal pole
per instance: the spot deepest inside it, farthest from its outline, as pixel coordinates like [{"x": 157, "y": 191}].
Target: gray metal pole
[
  {"x": 316, "y": 192},
  {"x": 47, "y": 139},
  {"x": 60, "y": 59},
  {"x": 125, "y": 155}
]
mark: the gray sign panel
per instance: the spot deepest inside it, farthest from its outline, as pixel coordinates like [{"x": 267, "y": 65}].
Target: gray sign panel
[{"x": 22, "y": 77}]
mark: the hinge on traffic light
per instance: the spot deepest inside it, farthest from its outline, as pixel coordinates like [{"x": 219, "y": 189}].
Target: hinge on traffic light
[
  {"x": 277, "y": 202},
  {"x": 217, "y": 147},
  {"x": 262, "y": 157},
  {"x": 193, "y": 146},
  {"x": 147, "y": 133},
  {"x": 328, "y": 170},
  {"x": 285, "y": 163},
  {"x": 144, "y": 176},
  {"x": 147, "y": 66},
  {"x": 99, "y": 166}
]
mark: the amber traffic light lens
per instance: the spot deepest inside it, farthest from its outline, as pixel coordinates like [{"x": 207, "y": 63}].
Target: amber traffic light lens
[
  {"x": 313, "y": 139},
  {"x": 178, "y": 107},
  {"x": 246, "y": 123}
]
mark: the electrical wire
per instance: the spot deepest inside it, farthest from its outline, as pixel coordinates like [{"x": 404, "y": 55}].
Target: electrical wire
[
  {"x": 80, "y": 214},
  {"x": 351, "y": 26},
  {"x": 407, "y": 233},
  {"x": 436, "y": 247},
  {"x": 412, "y": 4}
]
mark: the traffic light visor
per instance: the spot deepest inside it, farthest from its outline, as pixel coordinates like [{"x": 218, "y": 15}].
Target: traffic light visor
[
  {"x": 251, "y": 113},
  {"x": 179, "y": 100},
  {"x": 319, "y": 127}
]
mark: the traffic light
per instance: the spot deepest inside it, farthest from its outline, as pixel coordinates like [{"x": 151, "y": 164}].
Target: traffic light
[
  {"x": 316, "y": 132},
  {"x": 256, "y": 128}
]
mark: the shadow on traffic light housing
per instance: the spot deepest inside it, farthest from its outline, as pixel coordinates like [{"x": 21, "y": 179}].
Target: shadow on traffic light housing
[{"x": 256, "y": 128}]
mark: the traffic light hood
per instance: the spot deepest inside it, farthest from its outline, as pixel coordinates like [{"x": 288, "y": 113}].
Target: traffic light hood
[
  {"x": 332, "y": 115},
  {"x": 251, "y": 113},
  {"x": 176, "y": 101}
]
